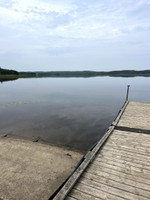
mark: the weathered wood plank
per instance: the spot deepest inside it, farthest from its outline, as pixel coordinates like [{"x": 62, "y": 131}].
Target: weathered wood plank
[
  {"x": 129, "y": 149},
  {"x": 144, "y": 142},
  {"x": 121, "y": 153},
  {"x": 126, "y": 152},
  {"x": 70, "y": 198},
  {"x": 118, "y": 178},
  {"x": 129, "y": 146},
  {"x": 127, "y": 178},
  {"x": 111, "y": 189},
  {"x": 126, "y": 140},
  {"x": 124, "y": 157},
  {"x": 137, "y": 115},
  {"x": 121, "y": 186},
  {"x": 124, "y": 168},
  {"x": 88, "y": 159},
  {"x": 80, "y": 195},
  {"x": 131, "y": 142},
  {"x": 120, "y": 172},
  {"x": 123, "y": 160},
  {"x": 120, "y": 169},
  {"x": 130, "y": 135},
  {"x": 123, "y": 164},
  {"x": 96, "y": 192}
]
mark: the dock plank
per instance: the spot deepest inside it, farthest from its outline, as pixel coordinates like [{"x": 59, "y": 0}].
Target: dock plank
[
  {"x": 130, "y": 135},
  {"x": 125, "y": 157},
  {"x": 127, "y": 152},
  {"x": 71, "y": 198},
  {"x": 80, "y": 195},
  {"x": 121, "y": 186},
  {"x": 124, "y": 169},
  {"x": 120, "y": 169},
  {"x": 119, "y": 192},
  {"x": 120, "y": 159},
  {"x": 96, "y": 192},
  {"x": 131, "y": 148},
  {"x": 120, "y": 172},
  {"x": 115, "y": 179},
  {"x": 130, "y": 141},
  {"x": 137, "y": 115}
]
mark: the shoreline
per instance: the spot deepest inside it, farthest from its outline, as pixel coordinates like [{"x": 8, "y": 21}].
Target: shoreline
[
  {"x": 10, "y": 75},
  {"x": 44, "y": 142},
  {"x": 33, "y": 170}
]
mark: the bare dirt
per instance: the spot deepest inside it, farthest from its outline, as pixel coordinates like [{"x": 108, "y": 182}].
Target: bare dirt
[{"x": 30, "y": 170}]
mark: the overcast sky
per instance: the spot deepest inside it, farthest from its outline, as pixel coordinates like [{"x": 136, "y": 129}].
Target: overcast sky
[{"x": 74, "y": 34}]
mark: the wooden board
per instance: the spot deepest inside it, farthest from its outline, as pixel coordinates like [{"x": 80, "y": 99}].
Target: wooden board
[
  {"x": 120, "y": 169},
  {"x": 137, "y": 115}
]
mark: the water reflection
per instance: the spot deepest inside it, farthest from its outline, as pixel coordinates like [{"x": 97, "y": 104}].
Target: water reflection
[
  {"x": 73, "y": 112},
  {"x": 7, "y": 79}
]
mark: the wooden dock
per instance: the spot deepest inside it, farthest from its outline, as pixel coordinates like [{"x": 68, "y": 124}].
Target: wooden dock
[{"x": 118, "y": 167}]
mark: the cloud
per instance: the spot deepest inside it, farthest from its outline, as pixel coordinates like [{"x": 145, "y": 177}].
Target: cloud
[
  {"x": 86, "y": 20},
  {"x": 53, "y": 28}
]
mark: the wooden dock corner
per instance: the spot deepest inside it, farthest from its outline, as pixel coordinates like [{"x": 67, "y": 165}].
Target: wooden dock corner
[{"x": 118, "y": 167}]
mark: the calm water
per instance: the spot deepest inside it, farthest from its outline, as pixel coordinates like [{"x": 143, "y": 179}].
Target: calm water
[{"x": 73, "y": 112}]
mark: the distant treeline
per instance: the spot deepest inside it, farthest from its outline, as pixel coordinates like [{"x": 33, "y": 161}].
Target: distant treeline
[
  {"x": 8, "y": 75},
  {"x": 8, "y": 72},
  {"x": 123, "y": 73},
  {"x": 5, "y": 73}
]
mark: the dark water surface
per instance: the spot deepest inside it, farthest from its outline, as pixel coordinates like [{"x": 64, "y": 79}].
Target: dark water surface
[{"x": 72, "y": 112}]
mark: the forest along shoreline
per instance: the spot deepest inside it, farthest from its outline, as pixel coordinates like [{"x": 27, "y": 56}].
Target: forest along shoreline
[
  {"x": 32, "y": 170},
  {"x": 8, "y": 75}
]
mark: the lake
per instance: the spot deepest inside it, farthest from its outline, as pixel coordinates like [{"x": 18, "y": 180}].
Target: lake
[{"x": 69, "y": 112}]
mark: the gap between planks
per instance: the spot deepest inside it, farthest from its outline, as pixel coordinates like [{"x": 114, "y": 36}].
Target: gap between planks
[
  {"x": 124, "y": 168},
  {"x": 118, "y": 172},
  {"x": 119, "y": 179},
  {"x": 107, "y": 189},
  {"x": 96, "y": 192},
  {"x": 81, "y": 195},
  {"x": 124, "y": 157},
  {"x": 130, "y": 142},
  {"x": 129, "y": 146},
  {"x": 112, "y": 183},
  {"x": 126, "y": 149},
  {"x": 124, "y": 153},
  {"x": 118, "y": 159}
]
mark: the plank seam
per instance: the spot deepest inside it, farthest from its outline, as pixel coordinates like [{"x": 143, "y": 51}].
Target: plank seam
[
  {"x": 136, "y": 130},
  {"x": 135, "y": 175},
  {"x": 125, "y": 158},
  {"x": 135, "y": 186},
  {"x": 100, "y": 189},
  {"x": 123, "y": 148},
  {"x": 85, "y": 193},
  {"x": 136, "y": 148},
  {"x": 126, "y": 162},
  {"x": 101, "y": 182},
  {"x": 123, "y": 152}
]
